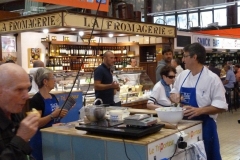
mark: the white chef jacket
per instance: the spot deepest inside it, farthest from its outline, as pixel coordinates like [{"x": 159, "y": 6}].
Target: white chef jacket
[
  {"x": 210, "y": 90},
  {"x": 158, "y": 95}
]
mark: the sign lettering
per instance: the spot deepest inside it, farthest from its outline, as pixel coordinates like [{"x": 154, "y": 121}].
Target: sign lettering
[
  {"x": 31, "y": 23},
  {"x": 118, "y": 25},
  {"x": 86, "y": 22},
  {"x": 204, "y": 41},
  {"x": 216, "y": 42}
]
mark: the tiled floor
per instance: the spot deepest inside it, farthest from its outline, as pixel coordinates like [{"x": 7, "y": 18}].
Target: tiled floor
[{"x": 229, "y": 135}]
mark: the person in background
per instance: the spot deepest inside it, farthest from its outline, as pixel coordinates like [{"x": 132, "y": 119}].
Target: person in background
[
  {"x": 230, "y": 79},
  {"x": 231, "y": 65},
  {"x": 15, "y": 130},
  {"x": 236, "y": 68},
  {"x": 133, "y": 63},
  {"x": 167, "y": 56},
  {"x": 47, "y": 105},
  {"x": 237, "y": 72},
  {"x": 103, "y": 80},
  {"x": 161, "y": 90},
  {"x": 223, "y": 72},
  {"x": 176, "y": 63},
  {"x": 202, "y": 95},
  {"x": 36, "y": 64},
  {"x": 212, "y": 67}
]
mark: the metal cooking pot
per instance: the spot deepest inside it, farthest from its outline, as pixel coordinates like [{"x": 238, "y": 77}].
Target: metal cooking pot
[{"x": 95, "y": 112}]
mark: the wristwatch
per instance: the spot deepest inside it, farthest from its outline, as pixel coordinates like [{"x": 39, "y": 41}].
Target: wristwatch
[{"x": 51, "y": 116}]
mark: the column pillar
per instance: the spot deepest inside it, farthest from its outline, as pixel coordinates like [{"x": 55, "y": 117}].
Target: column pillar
[{"x": 232, "y": 15}]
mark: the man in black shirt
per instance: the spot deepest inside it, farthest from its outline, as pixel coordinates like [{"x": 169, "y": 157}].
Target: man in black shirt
[
  {"x": 103, "y": 80},
  {"x": 15, "y": 130}
]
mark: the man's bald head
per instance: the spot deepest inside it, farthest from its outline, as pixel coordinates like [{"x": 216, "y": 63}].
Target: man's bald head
[
  {"x": 10, "y": 72},
  {"x": 38, "y": 63},
  {"x": 108, "y": 58},
  {"x": 107, "y": 53},
  {"x": 14, "y": 84}
]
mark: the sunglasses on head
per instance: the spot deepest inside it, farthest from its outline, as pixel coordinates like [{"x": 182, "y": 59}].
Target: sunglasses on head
[{"x": 171, "y": 77}]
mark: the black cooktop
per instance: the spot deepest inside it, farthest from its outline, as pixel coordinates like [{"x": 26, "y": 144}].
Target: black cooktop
[{"x": 117, "y": 128}]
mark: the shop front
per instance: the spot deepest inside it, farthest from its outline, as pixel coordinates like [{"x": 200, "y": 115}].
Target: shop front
[{"x": 69, "y": 42}]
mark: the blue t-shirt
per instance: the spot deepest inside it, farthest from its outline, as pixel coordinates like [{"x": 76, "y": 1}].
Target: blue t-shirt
[
  {"x": 230, "y": 76},
  {"x": 103, "y": 74}
]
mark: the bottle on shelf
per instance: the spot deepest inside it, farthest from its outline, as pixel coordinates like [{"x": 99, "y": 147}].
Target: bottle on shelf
[
  {"x": 57, "y": 51},
  {"x": 46, "y": 52},
  {"x": 76, "y": 51},
  {"x": 124, "y": 51},
  {"x": 67, "y": 50}
]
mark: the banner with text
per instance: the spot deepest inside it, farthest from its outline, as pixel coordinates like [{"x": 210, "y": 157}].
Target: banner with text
[
  {"x": 39, "y": 21},
  {"x": 215, "y": 42},
  {"x": 87, "y": 4},
  {"x": 120, "y": 26}
]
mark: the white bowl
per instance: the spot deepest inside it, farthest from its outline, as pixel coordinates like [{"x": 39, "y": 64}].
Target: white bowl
[{"x": 170, "y": 114}]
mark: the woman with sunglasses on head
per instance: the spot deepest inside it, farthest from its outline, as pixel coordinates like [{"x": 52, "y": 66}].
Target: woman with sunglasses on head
[
  {"x": 161, "y": 91},
  {"x": 47, "y": 105}
]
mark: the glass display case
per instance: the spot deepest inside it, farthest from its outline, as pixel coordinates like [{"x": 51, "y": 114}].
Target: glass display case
[{"x": 135, "y": 86}]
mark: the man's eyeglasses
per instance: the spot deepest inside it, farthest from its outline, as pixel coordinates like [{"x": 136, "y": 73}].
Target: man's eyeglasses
[
  {"x": 171, "y": 77},
  {"x": 184, "y": 56}
]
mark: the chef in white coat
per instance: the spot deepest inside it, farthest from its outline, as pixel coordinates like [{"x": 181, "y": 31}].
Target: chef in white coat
[{"x": 202, "y": 95}]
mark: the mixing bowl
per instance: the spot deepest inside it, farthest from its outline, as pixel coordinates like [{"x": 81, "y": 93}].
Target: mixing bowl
[{"x": 170, "y": 114}]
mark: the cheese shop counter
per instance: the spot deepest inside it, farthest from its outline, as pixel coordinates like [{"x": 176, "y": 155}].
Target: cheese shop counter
[{"x": 62, "y": 142}]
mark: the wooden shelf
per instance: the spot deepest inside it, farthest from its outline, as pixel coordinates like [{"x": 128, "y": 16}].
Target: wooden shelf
[
  {"x": 120, "y": 55},
  {"x": 75, "y": 56},
  {"x": 98, "y": 56},
  {"x": 148, "y": 62},
  {"x": 91, "y": 44}
]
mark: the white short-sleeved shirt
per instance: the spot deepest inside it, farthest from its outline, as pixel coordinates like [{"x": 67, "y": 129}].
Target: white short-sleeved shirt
[
  {"x": 158, "y": 95},
  {"x": 209, "y": 90}
]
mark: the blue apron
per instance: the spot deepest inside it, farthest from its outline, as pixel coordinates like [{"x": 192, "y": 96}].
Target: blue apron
[
  {"x": 36, "y": 140},
  {"x": 210, "y": 136}
]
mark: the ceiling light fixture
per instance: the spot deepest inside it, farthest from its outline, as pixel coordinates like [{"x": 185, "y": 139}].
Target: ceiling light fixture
[
  {"x": 110, "y": 35},
  {"x": 81, "y": 33},
  {"x": 137, "y": 35},
  {"x": 45, "y": 31},
  {"x": 73, "y": 29}
]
